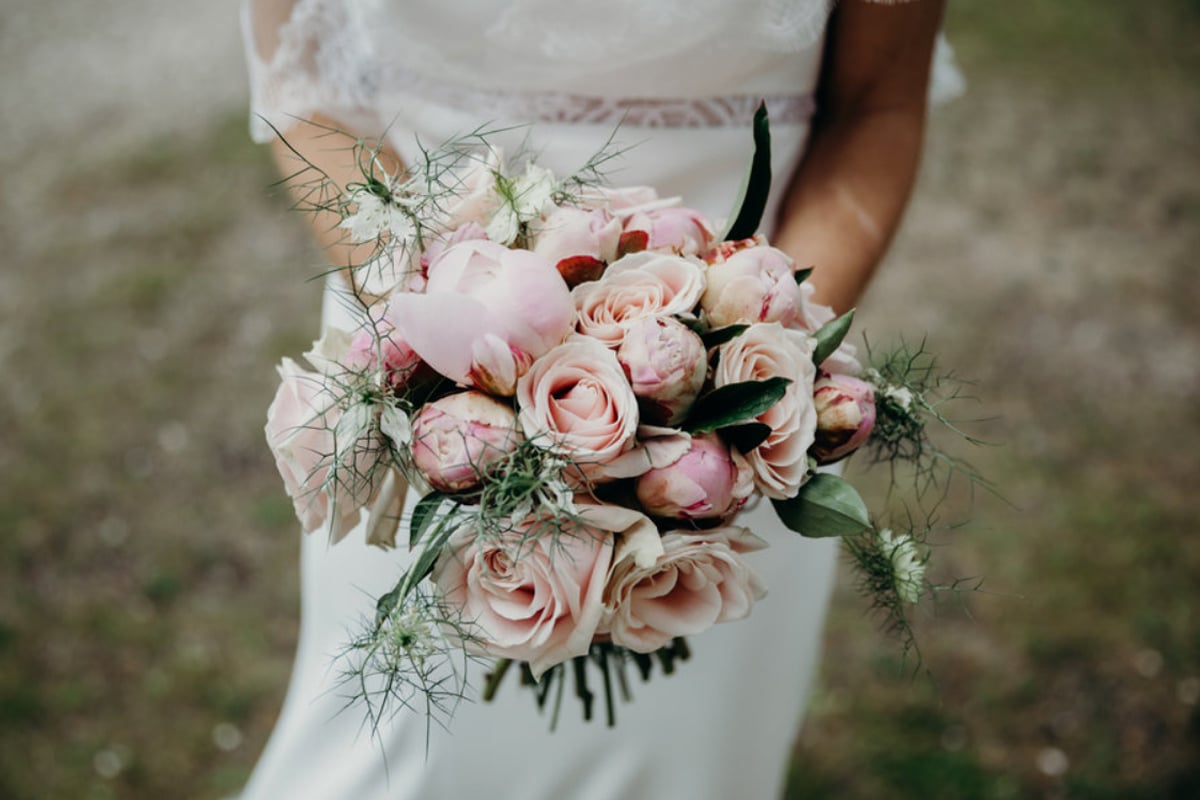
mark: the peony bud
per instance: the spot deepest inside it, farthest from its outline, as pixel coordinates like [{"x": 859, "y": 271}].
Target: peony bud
[
  {"x": 666, "y": 364},
  {"x": 845, "y": 416},
  {"x": 755, "y": 284},
  {"x": 709, "y": 481},
  {"x": 400, "y": 362},
  {"x": 458, "y": 438}
]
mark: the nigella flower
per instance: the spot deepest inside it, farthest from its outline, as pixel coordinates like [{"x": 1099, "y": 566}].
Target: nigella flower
[
  {"x": 408, "y": 636},
  {"x": 524, "y": 198},
  {"x": 908, "y": 565},
  {"x": 378, "y": 208}
]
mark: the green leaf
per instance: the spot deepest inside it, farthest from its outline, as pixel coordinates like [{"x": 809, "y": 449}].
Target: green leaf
[
  {"x": 831, "y": 335},
  {"x": 734, "y": 404},
  {"x": 802, "y": 275},
  {"x": 757, "y": 185},
  {"x": 747, "y": 436},
  {"x": 825, "y": 506},
  {"x": 424, "y": 515},
  {"x": 720, "y": 336}
]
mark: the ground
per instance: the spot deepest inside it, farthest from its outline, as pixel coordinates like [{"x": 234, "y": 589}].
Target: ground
[{"x": 148, "y": 586}]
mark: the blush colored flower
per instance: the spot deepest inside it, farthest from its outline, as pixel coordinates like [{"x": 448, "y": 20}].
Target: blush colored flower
[
  {"x": 486, "y": 314},
  {"x": 634, "y": 287},
  {"x": 666, "y": 363},
  {"x": 709, "y": 481},
  {"x": 699, "y": 580},
  {"x": 577, "y": 401},
  {"x": 768, "y": 350},
  {"x": 533, "y": 593},
  {"x": 458, "y": 438},
  {"x": 579, "y": 242},
  {"x": 755, "y": 284},
  {"x": 323, "y": 455},
  {"x": 675, "y": 229},
  {"x": 845, "y": 416}
]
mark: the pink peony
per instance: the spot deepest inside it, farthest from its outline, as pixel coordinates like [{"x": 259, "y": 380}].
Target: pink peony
[
  {"x": 666, "y": 363},
  {"x": 845, "y": 416},
  {"x": 699, "y": 580},
  {"x": 768, "y": 350},
  {"x": 579, "y": 242},
  {"x": 486, "y": 314},
  {"x": 634, "y": 287},
  {"x": 457, "y": 439},
  {"x": 755, "y": 284},
  {"x": 709, "y": 481},
  {"x": 675, "y": 229},
  {"x": 300, "y": 429},
  {"x": 533, "y": 593},
  {"x": 577, "y": 400}
]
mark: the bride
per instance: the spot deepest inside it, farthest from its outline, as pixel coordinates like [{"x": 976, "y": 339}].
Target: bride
[{"x": 847, "y": 95}]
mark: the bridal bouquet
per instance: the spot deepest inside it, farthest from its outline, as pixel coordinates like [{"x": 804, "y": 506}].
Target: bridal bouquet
[{"x": 587, "y": 385}]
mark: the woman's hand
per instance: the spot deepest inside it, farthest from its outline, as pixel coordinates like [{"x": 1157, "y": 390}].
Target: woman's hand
[{"x": 846, "y": 198}]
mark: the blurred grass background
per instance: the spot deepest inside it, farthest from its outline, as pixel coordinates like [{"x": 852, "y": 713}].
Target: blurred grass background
[{"x": 148, "y": 582}]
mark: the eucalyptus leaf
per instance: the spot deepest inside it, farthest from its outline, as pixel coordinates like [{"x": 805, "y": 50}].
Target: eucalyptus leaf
[
  {"x": 747, "y": 436},
  {"x": 826, "y": 506},
  {"x": 720, "y": 336},
  {"x": 752, "y": 201},
  {"x": 733, "y": 404},
  {"x": 830, "y": 336}
]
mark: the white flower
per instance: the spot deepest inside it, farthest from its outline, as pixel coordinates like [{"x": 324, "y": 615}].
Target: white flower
[
  {"x": 374, "y": 214},
  {"x": 528, "y": 197},
  {"x": 908, "y": 566}
]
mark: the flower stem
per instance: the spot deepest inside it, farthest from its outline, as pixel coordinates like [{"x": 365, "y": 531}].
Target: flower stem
[{"x": 494, "y": 677}]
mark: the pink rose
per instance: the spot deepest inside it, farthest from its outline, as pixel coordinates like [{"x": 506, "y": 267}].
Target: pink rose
[
  {"x": 576, "y": 399},
  {"x": 579, "y": 242},
  {"x": 666, "y": 363},
  {"x": 755, "y": 284},
  {"x": 845, "y": 416},
  {"x": 457, "y": 439},
  {"x": 709, "y": 481},
  {"x": 768, "y": 350},
  {"x": 675, "y": 229},
  {"x": 486, "y": 314},
  {"x": 301, "y": 431},
  {"x": 634, "y": 287},
  {"x": 699, "y": 580},
  {"x": 533, "y": 593}
]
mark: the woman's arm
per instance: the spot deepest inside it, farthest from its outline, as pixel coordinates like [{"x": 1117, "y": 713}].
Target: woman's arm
[
  {"x": 845, "y": 200},
  {"x": 331, "y": 155}
]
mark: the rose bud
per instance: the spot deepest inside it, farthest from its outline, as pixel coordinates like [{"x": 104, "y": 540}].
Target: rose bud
[
  {"x": 845, "y": 416},
  {"x": 666, "y": 363},
  {"x": 578, "y": 242},
  {"x": 709, "y": 481},
  {"x": 675, "y": 229},
  {"x": 458, "y": 438},
  {"x": 756, "y": 284}
]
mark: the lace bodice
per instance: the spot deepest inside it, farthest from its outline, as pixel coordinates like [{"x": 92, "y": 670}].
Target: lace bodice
[{"x": 672, "y": 63}]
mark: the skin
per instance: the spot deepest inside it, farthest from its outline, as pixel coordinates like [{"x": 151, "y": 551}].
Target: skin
[{"x": 846, "y": 199}]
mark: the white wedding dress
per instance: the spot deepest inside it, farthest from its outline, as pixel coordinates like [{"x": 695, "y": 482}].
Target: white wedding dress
[{"x": 683, "y": 79}]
